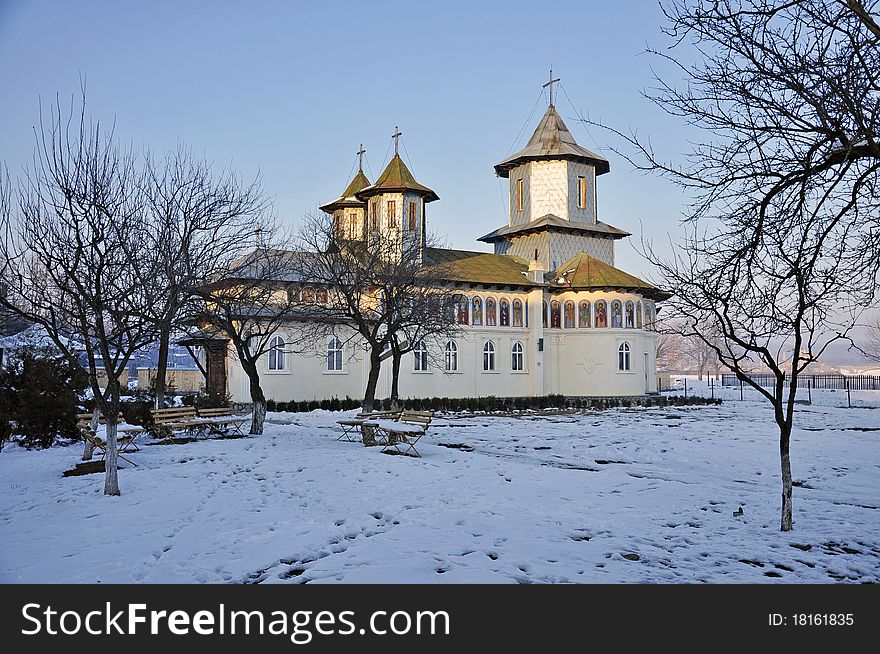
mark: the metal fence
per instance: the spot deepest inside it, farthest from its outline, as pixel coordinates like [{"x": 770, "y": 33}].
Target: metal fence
[{"x": 827, "y": 382}]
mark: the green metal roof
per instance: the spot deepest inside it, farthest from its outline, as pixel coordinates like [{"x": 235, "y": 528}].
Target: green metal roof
[
  {"x": 584, "y": 271},
  {"x": 478, "y": 267},
  {"x": 348, "y": 197},
  {"x": 396, "y": 177}
]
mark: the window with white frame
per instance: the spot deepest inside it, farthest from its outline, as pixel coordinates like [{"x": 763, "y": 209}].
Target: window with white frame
[
  {"x": 334, "y": 354},
  {"x": 623, "y": 357},
  {"x": 489, "y": 356},
  {"x": 516, "y": 357},
  {"x": 276, "y": 353},
  {"x": 450, "y": 358},
  {"x": 420, "y": 357}
]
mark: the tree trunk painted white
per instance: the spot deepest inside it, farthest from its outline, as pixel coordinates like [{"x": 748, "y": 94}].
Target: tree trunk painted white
[{"x": 785, "y": 459}]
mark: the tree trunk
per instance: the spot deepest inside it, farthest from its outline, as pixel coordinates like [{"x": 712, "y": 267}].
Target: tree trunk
[
  {"x": 372, "y": 379},
  {"x": 162, "y": 366},
  {"x": 395, "y": 375},
  {"x": 258, "y": 399},
  {"x": 785, "y": 459},
  {"x": 111, "y": 460}
]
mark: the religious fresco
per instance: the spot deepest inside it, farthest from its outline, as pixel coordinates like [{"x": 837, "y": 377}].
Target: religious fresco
[
  {"x": 569, "y": 315},
  {"x": 462, "y": 310},
  {"x": 638, "y": 315},
  {"x": 616, "y": 314},
  {"x": 504, "y": 313},
  {"x": 584, "y": 314},
  {"x": 629, "y": 314},
  {"x": 601, "y": 313},
  {"x": 491, "y": 319},
  {"x": 555, "y": 314},
  {"x": 517, "y": 313},
  {"x": 477, "y": 315}
]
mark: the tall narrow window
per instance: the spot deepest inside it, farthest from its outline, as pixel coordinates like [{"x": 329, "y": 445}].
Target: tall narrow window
[
  {"x": 517, "y": 313},
  {"x": 420, "y": 356},
  {"x": 623, "y": 357},
  {"x": 337, "y": 225},
  {"x": 489, "y": 356},
  {"x": 582, "y": 192},
  {"x": 516, "y": 357},
  {"x": 391, "y": 213},
  {"x": 276, "y": 353},
  {"x": 334, "y": 354},
  {"x": 450, "y": 359},
  {"x": 519, "y": 194},
  {"x": 413, "y": 223},
  {"x": 352, "y": 224},
  {"x": 374, "y": 216}
]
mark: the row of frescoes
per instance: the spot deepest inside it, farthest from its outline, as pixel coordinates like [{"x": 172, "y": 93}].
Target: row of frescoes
[{"x": 567, "y": 315}]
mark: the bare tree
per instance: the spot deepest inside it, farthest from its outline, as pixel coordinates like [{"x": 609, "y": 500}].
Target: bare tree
[
  {"x": 73, "y": 256},
  {"x": 871, "y": 346},
  {"x": 782, "y": 249},
  {"x": 254, "y": 298},
  {"x": 383, "y": 293},
  {"x": 199, "y": 221}
]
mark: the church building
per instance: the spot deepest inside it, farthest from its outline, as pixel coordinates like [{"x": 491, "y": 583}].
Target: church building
[{"x": 546, "y": 313}]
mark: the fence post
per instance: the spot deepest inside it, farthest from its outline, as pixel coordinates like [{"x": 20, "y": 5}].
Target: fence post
[
  {"x": 712, "y": 388},
  {"x": 685, "y": 386},
  {"x": 740, "y": 389},
  {"x": 810, "y": 391},
  {"x": 848, "y": 397}
]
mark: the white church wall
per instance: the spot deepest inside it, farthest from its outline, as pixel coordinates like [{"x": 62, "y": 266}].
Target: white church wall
[
  {"x": 548, "y": 189},
  {"x": 555, "y": 248}
]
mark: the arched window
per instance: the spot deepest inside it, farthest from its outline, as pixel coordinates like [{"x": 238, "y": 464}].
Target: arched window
[
  {"x": 477, "y": 316},
  {"x": 616, "y": 314},
  {"x": 584, "y": 314},
  {"x": 489, "y": 356},
  {"x": 544, "y": 314},
  {"x": 638, "y": 315},
  {"x": 569, "y": 315},
  {"x": 420, "y": 356},
  {"x": 629, "y": 314},
  {"x": 516, "y": 357},
  {"x": 450, "y": 358},
  {"x": 517, "y": 313},
  {"x": 555, "y": 314},
  {"x": 623, "y": 357},
  {"x": 491, "y": 320},
  {"x": 334, "y": 354},
  {"x": 601, "y": 313},
  {"x": 504, "y": 312},
  {"x": 462, "y": 310},
  {"x": 308, "y": 295},
  {"x": 322, "y": 296},
  {"x": 276, "y": 353}
]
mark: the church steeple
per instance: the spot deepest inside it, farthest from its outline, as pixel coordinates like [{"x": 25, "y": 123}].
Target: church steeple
[{"x": 347, "y": 210}]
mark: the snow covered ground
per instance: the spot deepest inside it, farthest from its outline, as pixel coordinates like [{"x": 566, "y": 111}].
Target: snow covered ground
[{"x": 625, "y": 495}]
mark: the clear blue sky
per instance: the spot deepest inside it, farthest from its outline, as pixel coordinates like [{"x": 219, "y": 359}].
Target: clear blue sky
[{"x": 290, "y": 89}]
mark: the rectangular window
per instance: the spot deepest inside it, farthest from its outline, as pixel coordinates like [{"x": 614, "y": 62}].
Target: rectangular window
[
  {"x": 391, "y": 212},
  {"x": 412, "y": 217},
  {"x": 374, "y": 216},
  {"x": 519, "y": 194},
  {"x": 582, "y": 192},
  {"x": 352, "y": 225}
]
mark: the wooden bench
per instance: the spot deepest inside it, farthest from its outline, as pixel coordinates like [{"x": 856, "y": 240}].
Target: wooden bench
[
  {"x": 354, "y": 426},
  {"x": 195, "y": 421},
  {"x": 405, "y": 432},
  {"x": 126, "y": 435},
  {"x": 222, "y": 419}
]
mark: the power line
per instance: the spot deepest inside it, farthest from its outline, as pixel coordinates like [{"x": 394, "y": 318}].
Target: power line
[{"x": 526, "y": 123}]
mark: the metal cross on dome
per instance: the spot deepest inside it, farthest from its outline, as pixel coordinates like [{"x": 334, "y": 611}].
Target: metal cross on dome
[
  {"x": 360, "y": 154},
  {"x": 550, "y": 84},
  {"x": 396, "y": 136}
]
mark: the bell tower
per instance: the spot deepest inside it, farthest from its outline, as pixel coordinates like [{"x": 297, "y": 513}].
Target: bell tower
[{"x": 347, "y": 210}]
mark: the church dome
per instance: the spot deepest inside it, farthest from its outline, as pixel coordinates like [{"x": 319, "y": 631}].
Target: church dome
[{"x": 396, "y": 178}]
